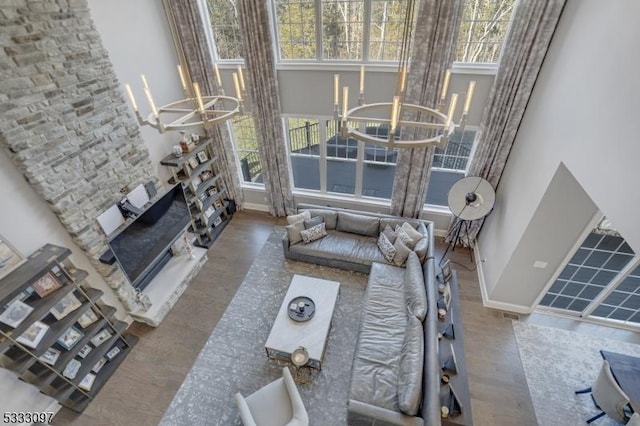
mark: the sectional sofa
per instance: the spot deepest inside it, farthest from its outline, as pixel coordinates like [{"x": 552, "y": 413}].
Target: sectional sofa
[{"x": 396, "y": 371}]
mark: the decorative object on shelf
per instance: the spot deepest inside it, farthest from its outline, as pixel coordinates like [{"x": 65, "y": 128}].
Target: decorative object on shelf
[
  {"x": 195, "y": 138},
  {"x": 195, "y": 109},
  {"x": 177, "y": 151},
  {"x": 87, "y": 318},
  {"x": 195, "y": 182},
  {"x": 188, "y": 247},
  {"x": 206, "y": 175},
  {"x": 15, "y": 313},
  {"x": 46, "y": 285},
  {"x": 84, "y": 351},
  {"x": 471, "y": 198},
  {"x": 87, "y": 382},
  {"x": 209, "y": 212},
  {"x": 65, "y": 306},
  {"x": 202, "y": 157},
  {"x": 143, "y": 300},
  {"x": 439, "y": 124},
  {"x": 72, "y": 368},
  {"x": 33, "y": 335},
  {"x": 193, "y": 163},
  {"x": 446, "y": 271},
  {"x": 217, "y": 221},
  {"x": 217, "y": 204},
  {"x": 50, "y": 356},
  {"x": 10, "y": 258},
  {"x": 301, "y": 308},
  {"x": 70, "y": 338},
  {"x": 101, "y": 337},
  {"x": 112, "y": 353},
  {"x": 21, "y": 297},
  {"x": 98, "y": 366}
]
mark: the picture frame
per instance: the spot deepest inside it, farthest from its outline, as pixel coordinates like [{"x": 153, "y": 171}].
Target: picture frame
[
  {"x": 209, "y": 212},
  {"x": 33, "y": 335},
  {"x": 21, "y": 297},
  {"x": 446, "y": 294},
  {"x": 446, "y": 271},
  {"x": 15, "y": 313},
  {"x": 46, "y": 284},
  {"x": 98, "y": 366},
  {"x": 87, "y": 382},
  {"x": 10, "y": 258},
  {"x": 101, "y": 337},
  {"x": 65, "y": 306},
  {"x": 87, "y": 318},
  {"x": 82, "y": 353},
  {"x": 50, "y": 356},
  {"x": 70, "y": 338},
  {"x": 217, "y": 204},
  {"x": 202, "y": 157},
  {"x": 72, "y": 368},
  {"x": 195, "y": 182},
  {"x": 211, "y": 191},
  {"x": 113, "y": 352},
  {"x": 205, "y": 175},
  {"x": 61, "y": 275},
  {"x": 217, "y": 221},
  {"x": 193, "y": 163}
]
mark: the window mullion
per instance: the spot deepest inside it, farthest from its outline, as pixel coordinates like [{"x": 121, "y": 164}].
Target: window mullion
[
  {"x": 611, "y": 287},
  {"x": 323, "y": 157}
]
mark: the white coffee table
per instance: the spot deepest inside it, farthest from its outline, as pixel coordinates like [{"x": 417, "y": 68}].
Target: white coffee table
[{"x": 288, "y": 335}]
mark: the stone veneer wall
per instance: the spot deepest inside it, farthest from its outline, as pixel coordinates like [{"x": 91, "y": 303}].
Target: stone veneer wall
[{"x": 64, "y": 122}]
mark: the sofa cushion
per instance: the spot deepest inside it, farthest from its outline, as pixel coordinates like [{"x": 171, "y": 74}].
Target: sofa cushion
[
  {"x": 422, "y": 228},
  {"x": 298, "y": 217},
  {"x": 314, "y": 233},
  {"x": 293, "y": 232},
  {"x": 344, "y": 247},
  {"x": 358, "y": 224},
  {"x": 414, "y": 290},
  {"x": 421, "y": 249},
  {"x": 310, "y": 223},
  {"x": 389, "y": 233},
  {"x": 330, "y": 216},
  {"x": 411, "y": 232},
  {"x": 386, "y": 248},
  {"x": 393, "y": 222},
  {"x": 406, "y": 239},
  {"x": 402, "y": 251},
  {"x": 410, "y": 368}
]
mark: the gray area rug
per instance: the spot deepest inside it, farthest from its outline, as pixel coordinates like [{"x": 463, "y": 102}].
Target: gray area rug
[
  {"x": 557, "y": 363},
  {"x": 234, "y": 359}
]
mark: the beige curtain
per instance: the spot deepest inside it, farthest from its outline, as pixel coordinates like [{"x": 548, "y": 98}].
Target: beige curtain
[
  {"x": 525, "y": 46},
  {"x": 187, "y": 26},
  {"x": 262, "y": 84},
  {"x": 432, "y": 54}
]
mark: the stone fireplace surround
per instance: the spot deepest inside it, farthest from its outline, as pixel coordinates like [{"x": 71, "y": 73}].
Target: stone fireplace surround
[{"x": 64, "y": 122}]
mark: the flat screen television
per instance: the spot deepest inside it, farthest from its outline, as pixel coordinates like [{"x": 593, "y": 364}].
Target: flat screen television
[{"x": 142, "y": 247}]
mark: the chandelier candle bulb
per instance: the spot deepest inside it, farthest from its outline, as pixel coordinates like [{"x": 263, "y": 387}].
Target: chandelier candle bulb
[
  {"x": 403, "y": 79},
  {"x": 395, "y": 113},
  {"x": 345, "y": 102},
  {"x": 216, "y": 70},
  {"x": 196, "y": 89},
  {"x": 452, "y": 109},
  {"x": 241, "y": 78},
  {"x": 236, "y": 85},
  {"x": 147, "y": 92},
  {"x": 336, "y": 90},
  {"x": 467, "y": 100},
  {"x": 131, "y": 98},
  {"x": 362, "y": 79},
  {"x": 144, "y": 81},
  {"x": 445, "y": 86},
  {"x": 182, "y": 80}
]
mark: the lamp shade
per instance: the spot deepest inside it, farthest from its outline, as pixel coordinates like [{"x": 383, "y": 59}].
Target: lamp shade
[{"x": 471, "y": 198}]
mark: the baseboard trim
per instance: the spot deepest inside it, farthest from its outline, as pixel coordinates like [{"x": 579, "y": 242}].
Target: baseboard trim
[
  {"x": 255, "y": 206},
  {"x": 488, "y": 303},
  {"x": 440, "y": 232}
]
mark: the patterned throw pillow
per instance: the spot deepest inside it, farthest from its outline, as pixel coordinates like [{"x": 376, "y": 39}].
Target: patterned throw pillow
[
  {"x": 314, "y": 233},
  {"x": 310, "y": 223},
  {"x": 298, "y": 217},
  {"x": 405, "y": 238},
  {"x": 389, "y": 233},
  {"x": 402, "y": 252},
  {"x": 412, "y": 232},
  {"x": 385, "y": 246}
]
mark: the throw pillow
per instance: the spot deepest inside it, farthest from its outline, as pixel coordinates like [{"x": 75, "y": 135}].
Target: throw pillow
[
  {"x": 330, "y": 217},
  {"x": 313, "y": 233},
  {"x": 421, "y": 248},
  {"x": 422, "y": 228},
  {"x": 389, "y": 233},
  {"x": 410, "y": 368},
  {"x": 293, "y": 231},
  {"x": 414, "y": 290},
  {"x": 358, "y": 224},
  {"x": 310, "y": 223},
  {"x": 387, "y": 249},
  {"x": 298, "y": 217},
  {"x": 405, "y": 238},
  {"x": 402, "y": 252},
  {"x": 411, "y": 232}
]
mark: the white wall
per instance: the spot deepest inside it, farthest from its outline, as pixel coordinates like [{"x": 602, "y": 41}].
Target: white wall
[{"x": 583, "y": 113}]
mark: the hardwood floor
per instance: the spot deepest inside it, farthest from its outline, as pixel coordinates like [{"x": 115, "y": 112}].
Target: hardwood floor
[{"x": 143, "y": 387}]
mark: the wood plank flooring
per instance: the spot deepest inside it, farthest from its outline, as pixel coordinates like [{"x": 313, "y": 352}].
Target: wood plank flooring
[{"x": 143, "y": 387}]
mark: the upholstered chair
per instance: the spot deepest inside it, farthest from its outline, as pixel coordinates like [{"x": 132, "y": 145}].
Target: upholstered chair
[
  {"x": 608, "y": 396},
  {"x": 276, "y": 404}
]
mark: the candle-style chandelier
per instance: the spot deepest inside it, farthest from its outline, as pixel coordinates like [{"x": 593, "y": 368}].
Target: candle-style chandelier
[
  {"x": 439, "y": 126},
  {"x": 195, "y": 109}
]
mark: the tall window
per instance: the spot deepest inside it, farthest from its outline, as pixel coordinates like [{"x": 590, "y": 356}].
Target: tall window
[
  {"x": 244, "y": 135},
  {"x": 385, "y": 29},
  {"x": 296, "y": 28},
  {"x": 304, "y": 151},
  {"x": 223, "y": 15},
  {"x": 483, "y": 30},
  {"x": 342, "y": 29}
]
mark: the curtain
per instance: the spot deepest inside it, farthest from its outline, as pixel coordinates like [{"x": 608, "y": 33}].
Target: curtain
[
  {"x": 432, "y": 54},
  {"x": 525, "y": 46},
  {"x": 187, "y": 26},
  {"x": 262, "y": 83}
]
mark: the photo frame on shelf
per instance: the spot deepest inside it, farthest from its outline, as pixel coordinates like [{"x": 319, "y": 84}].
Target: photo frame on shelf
[
  {"x": 87, "y": 318},
  {"x": 84, "y": 351},
  {"x": 46, "y": 284},
  {"x": 209, "y": 212},
  {"x": 10, "y": 258},
  {"x": 72, "y": 368},
  {"x": 193, "y": 163},
  {"x": 98, "y": 366},
  {"x": 211, "y": 191},
  {"x": 217, "y": 221},
  {"x": 70, "y": 338},
  {"x": 112, "y": 353},
  {"x": 50, "y": 356},
  {"x": 87, "y": 382},
  {"x": 447, "y": 295},
  {"x": 195, "y": 182},
  {"x": 217, "y": 204},
  {"x": 446, "y": 271},
  {"x": 61, "y": 275},
  {"x": 15, "y": 313},
  {"x": 101, "y": 337},
  {"x": 202, "y": 157},
  {"x": 21, "y": 297},
  {"x": 33, "y": 335},
  {"x": 65, "y": 306},
  {"x": 205, "y": 175}
]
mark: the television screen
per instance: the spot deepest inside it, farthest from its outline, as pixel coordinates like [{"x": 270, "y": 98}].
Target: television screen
[{"x": 145, "y": 242}]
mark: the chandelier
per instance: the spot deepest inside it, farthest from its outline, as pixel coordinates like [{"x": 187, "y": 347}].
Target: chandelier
[
  {"x": 195, "y": 109},
  {"x": 438, "y": 125}
]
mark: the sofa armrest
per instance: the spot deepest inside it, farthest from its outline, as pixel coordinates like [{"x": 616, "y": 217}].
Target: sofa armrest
[{"x": 361, "y": 413}]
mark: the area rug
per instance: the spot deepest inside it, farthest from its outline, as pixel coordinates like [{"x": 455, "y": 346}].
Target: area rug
[
  {"x": 234, "y": 358},
  {"x": 558, "y": 362}
]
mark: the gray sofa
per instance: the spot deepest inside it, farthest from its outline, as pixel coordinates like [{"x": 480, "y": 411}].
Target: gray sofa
[{"x": 396, "y": 372}]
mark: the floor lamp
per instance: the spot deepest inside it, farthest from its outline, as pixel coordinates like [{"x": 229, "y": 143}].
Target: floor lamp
[{"x": 471, "y": 198}]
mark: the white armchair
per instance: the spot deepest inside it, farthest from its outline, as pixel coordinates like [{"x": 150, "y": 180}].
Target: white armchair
[
  {"x": 276, "y": 404},
  {"x": 608, "y": 396}
]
